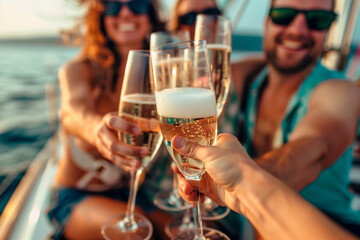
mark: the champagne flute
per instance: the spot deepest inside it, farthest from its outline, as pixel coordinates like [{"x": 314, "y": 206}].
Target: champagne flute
[
  {"x": 216, "y": 30},
  {"x": 169, "y": 201},
  {"x": 137, "y": 105},
  {"x": 186, "y": 105}
]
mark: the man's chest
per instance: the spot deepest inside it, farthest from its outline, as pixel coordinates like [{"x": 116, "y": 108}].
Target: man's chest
[{"x": 270, "y": 113}]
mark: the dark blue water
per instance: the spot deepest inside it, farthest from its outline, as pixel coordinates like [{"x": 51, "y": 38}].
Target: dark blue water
[{"x": 25, "y": 70}]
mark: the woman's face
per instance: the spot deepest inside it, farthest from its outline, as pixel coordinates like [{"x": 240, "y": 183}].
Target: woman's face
[
  {"x": 127, "y": 22},
  {"x": 187, "y": 6}
]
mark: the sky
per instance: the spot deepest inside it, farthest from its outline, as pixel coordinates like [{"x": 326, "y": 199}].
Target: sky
[
  {"x": 24, "y": 18},
  {"x": 27, "y": 18}
]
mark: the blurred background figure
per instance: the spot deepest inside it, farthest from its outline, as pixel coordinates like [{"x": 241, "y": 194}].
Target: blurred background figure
[{"x": 183, "y": 15}]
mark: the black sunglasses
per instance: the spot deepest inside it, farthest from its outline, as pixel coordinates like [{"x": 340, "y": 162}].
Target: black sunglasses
[
  {"x": 316, "y": 19},
  {"x": 112, "y": 8},
  {"x": 190, "y": 18}
]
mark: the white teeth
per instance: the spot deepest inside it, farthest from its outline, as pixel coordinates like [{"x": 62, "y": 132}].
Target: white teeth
[
  {"x": 127, "y": 27},
  {"x": 292, "y": 44}
]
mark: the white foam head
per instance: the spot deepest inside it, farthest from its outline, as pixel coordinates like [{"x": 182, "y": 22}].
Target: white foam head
[{"x": 187, "y": 102}]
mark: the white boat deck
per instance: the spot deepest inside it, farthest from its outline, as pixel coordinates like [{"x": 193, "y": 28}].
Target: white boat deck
[
  {"x": 32, "y": 222},
  {"x": 24, "y": 217}
]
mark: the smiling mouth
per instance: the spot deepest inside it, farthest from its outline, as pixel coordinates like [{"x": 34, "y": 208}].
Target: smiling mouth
[
  {"x": 126, "y": 27},
  {"x": 295, "y": 44}
]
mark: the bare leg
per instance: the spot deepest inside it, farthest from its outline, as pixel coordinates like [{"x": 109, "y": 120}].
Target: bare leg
[{"x": 88, "y": 216}]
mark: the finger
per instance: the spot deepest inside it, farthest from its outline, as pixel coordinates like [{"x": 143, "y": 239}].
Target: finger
[
  {"x": 121, "y": 161},
  {"x": 190, "y": 149},
  {"x": 119, "y": 124},
  {"x": 228, "y": 141},
  {"x": 111, "y": 142}
]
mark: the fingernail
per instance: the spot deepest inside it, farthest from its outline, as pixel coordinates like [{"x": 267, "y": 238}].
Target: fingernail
[
  {"x": 136, "y": 130},
  {"x": 179, "y": 142}
]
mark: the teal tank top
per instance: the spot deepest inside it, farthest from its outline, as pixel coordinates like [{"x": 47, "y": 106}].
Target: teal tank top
[{"x": 329, "y": 192}]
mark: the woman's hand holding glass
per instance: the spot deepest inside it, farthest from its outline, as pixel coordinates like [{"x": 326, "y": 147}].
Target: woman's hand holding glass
[{"x": 109, "y": 146}]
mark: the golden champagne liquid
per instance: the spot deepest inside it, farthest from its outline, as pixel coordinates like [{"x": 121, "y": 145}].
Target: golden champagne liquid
[
  {"x": 199, "y": 130},
  {"x": 219, "y": 56},
  {"x": 190, "y": 113},
  {"x": 140, "y": 109}
]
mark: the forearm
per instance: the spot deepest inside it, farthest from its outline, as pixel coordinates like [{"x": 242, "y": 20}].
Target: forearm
[
  {"x": 81, "y": 122},
  {"x": 277, "y": 212},
  {"x": 298, "y": 163}
]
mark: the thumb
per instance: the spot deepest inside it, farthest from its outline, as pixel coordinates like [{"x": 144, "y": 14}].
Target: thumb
[{"x": 189, "y": 149}]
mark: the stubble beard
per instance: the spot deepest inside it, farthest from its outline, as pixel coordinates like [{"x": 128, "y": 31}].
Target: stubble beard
[{"x": 306, "y": 62}]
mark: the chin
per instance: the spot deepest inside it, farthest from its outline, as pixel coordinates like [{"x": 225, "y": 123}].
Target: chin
[
  {"x": 129, "y": 40},
  {"x": 292, "y": 69},
  {"x": 287, "y": 66}
]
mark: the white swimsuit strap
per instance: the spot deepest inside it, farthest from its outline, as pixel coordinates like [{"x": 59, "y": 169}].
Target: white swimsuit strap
[{"x": 107, "y": 172}]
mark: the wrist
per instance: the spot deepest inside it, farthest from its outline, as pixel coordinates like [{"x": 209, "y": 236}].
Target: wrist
[
  {"x": 249, "y": 182},
  {"x": 253, "y": 187}
]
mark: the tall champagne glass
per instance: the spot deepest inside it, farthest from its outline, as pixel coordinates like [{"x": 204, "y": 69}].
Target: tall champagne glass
[
  {"x": 186, "y": 105},
  {"x": 137, "y": 105},
  {"x": 169, "y": 201},
  {"x": 216, "y": 30}
]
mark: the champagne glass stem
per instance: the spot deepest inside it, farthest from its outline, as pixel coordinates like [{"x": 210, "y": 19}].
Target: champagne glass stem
[
  {"x": 186, "y": 220},
  {"x": 197, "y": 214},
  {"x": 129, "y": 220}
]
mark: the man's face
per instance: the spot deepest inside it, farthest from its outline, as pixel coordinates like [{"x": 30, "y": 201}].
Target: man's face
[{"x": 292, "y": 48}]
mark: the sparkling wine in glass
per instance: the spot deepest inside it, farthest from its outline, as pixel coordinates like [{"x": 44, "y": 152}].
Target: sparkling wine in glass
[
  {"x": 216, "y": 30},
  {"x": 186, "y": 105},
  {"x": 137, "y": 105}
]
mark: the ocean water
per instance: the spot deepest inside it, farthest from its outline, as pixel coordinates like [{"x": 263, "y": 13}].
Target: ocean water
[{"x": 25, "y": 70}]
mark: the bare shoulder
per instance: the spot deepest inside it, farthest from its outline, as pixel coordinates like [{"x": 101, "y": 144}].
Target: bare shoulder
[
  {"x": 337, "y": 94},
  {"x": 74, "y": 69},
  {"x": 75, "y": 80},
  {"x": 337, "y": 88}
]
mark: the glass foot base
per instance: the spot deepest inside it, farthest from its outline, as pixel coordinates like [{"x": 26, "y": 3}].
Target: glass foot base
[
  {"x": 169, "y": 201},
  {"x": 116, "y": 228},
  {"x": 217, "y": 213},
  {"x": 209, "y": 234},
  {"x": 178, "y": 225}
]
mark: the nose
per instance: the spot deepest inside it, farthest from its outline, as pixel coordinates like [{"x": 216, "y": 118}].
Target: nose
[
  {"x": 125, "y": 11},
  {"x": 299, "y": 26}
]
